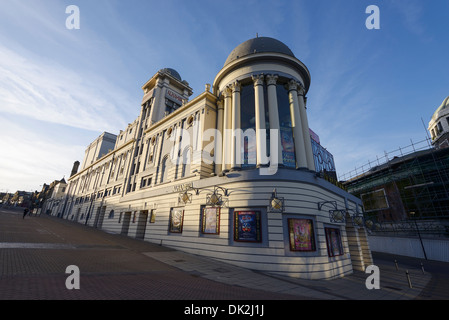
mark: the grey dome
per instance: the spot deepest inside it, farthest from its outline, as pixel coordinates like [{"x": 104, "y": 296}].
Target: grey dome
[
  {"x": 258, "y": 45},
  {"x": 172, "y": 72}
]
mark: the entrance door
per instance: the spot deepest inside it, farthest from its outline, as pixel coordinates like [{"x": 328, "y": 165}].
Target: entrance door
[
  {"x": 142, "y": 224},
  {"x": 101, "y": 211},
  {"x": 125, "y": 223}
]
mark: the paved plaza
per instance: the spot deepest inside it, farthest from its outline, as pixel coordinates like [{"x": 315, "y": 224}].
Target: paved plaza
[{"x": 35, "y": 252}]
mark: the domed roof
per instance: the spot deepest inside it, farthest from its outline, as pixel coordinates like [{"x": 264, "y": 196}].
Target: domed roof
[
  {"x": 444, "y": 105},
  {"x": 258, "y": 45},
  {"x": 172, "y": 72}
]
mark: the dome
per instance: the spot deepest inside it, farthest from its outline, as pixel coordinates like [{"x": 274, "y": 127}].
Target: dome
[
  {"x": 172, "y": 72},
  {"x": 444, "y": 105},
  {"x": 258, "y": 45}
]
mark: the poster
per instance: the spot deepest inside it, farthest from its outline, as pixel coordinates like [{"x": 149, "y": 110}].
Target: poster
[
  {"x": 153, "y": 216},
  {"x": 247, "y": 226},
  {"x": 288, "y": 147},
  {"x": 211, "y": 220},
  {"x": 176, "y": 220},
  {"x": 301, "y": 235},
  {"x": 249, "y": 152},
  {"x": 333, "y": 240}
]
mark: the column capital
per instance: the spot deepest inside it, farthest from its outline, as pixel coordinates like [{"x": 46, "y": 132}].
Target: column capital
[
  {"x": 292, "y": 85},
  {"x": 227, "y": 92},
  {"x": 235, "y": 86},
  {"x": 301, "y": 90},
  {"x": 220, "y": 104},
  {"x": 272, "y": 79},
  {"x": 258, "y": 79}
]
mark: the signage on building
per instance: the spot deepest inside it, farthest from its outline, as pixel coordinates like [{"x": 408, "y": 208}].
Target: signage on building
[
  {"x": 183, "y": 187},
  {"x": 174, "y": 96},
  {"x": 314, "y": 136}
]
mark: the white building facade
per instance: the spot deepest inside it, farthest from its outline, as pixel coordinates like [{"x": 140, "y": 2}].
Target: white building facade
[
  {"x": 229, "y": 174},
  {"x": 439, "y": 126}
]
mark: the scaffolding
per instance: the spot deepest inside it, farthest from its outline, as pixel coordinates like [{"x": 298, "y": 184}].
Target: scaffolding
[{"x": 407, "y": 184}]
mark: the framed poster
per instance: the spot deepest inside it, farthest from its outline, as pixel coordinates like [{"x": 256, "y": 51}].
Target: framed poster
[
  {"x": 152, "y": 216},
  {"x": 333, "y": 241},
  {"x": 247, "y": 226},
  {"x": 176, "y": 220},
  {"x": 211, "y": 220},
  {"x": 301, "y": 235}
]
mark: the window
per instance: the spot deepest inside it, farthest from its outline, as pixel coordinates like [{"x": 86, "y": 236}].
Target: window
[
  {"x": 248, "y": 116},
  {"x": 164, "y": 169},
  {"x": 145, "y": 182},
  {"x": 185, "y": 163},
  {"x": 375, "y": 200},
  {"x": 170, "y": 106},
  {"x": 286, "y": 130},
  {"x": 333, "y": 241},
  {"x": 190, "y": 121}
]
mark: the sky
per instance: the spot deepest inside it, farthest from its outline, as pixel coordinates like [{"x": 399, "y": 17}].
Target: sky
[{"x": 372, "y": 90}]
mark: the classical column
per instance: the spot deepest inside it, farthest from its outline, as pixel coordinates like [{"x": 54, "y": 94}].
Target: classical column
[
  {"x": 227, "y": 136},
  {"x": 273, "y": 118},
  {"x": 298, "y": 136},
  {"x": 236, "y": 141},
  {"x": 218, "y": 150},
  {"x": 305, "y": 129},
  {"x": 260, "y": 120}
]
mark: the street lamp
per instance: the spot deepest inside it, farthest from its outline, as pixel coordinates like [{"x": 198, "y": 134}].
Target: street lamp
[{"x": 419, "y": 234}]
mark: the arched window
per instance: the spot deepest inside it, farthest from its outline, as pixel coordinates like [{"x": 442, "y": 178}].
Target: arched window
[
  {"x": 186, "y": 159},
  {"x": 164, "y": 169},
  {"x": 248, "y": 122},
  {"x": 286, "y": 131}
]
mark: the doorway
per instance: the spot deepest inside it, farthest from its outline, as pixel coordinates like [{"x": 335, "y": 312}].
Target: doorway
[
  {"x": 98, "y": 223},
  {"x": 142, "y": 224},
  {"x": 125, "y": 223}
]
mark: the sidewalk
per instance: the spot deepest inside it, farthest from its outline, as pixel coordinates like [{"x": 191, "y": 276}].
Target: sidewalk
[{"x": 35, "y": 251}]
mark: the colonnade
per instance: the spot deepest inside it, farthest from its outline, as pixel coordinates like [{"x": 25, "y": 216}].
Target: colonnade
[{"x": 229, "y": 123}]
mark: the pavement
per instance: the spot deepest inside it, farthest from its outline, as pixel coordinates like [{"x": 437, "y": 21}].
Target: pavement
[{"x": 36, "y": 251}]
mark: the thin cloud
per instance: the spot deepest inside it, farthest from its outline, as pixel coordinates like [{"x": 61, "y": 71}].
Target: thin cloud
[{"x": 55, "y": 94}]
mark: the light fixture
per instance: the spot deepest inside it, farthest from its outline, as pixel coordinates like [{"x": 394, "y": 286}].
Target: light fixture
[
  {"x": 185, "y": 197},
  {"x": 357, "y": 220},
  {"x": 337, "y": 215},
  {"x": 215, "y": 199},
  {"x": 276, "y": 203}
]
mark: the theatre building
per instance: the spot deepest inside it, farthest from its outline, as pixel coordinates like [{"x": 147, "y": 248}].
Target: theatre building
[{"x": 234, "y": 174}]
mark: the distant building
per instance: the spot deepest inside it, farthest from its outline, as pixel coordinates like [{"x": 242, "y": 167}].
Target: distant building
[
  {"x": 231, "y": 174},
  {"x": 98, "y": 148},
  {"x": 439, "y": 126},
  {"x": 410, "y": 185},
  {"x": 55, "y": 203}
]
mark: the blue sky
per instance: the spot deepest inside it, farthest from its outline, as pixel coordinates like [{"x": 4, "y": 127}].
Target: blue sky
[{"x": 60, "y": 89}]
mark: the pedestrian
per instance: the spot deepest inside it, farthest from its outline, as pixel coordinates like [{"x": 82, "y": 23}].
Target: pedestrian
[{"x": 25, "y": 212}]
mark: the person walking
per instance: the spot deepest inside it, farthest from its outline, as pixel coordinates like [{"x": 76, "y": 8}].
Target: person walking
[{"x": 25, "y": 212}]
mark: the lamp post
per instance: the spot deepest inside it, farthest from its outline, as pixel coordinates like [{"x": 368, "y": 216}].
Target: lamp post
[{"x": 419, "y": 235}]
